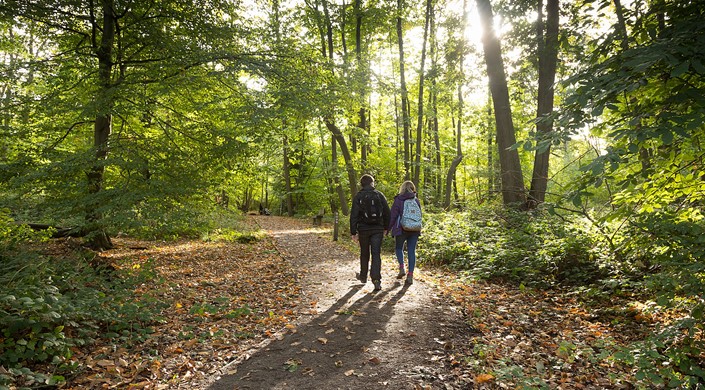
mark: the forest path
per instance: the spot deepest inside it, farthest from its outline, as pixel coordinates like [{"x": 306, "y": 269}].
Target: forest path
[{"x": 352, "y": 338}]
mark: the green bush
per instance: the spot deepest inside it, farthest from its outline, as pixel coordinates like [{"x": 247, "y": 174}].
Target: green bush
[
  {"x": 663, "y": 251},
  {"x": 532, "y": 248},
  {"x": 48, "y": 305}
]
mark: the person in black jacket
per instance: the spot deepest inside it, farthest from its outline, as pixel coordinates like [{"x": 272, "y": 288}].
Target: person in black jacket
[{"x": 369, "y": 218}]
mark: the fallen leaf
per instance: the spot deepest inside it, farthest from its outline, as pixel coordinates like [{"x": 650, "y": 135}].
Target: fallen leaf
[
  {"x": 484, "y": 378},
  {"x": 105, "y": 363}
]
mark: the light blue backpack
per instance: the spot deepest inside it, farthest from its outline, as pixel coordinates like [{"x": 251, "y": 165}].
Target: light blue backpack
[{"x": 411, "y": 216}]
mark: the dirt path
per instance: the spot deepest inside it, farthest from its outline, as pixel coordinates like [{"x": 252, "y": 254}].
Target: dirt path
[{"x": 353, "y": 338}]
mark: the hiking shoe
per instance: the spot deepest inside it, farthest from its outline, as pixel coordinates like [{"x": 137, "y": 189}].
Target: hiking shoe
[
  {"x": 401, "y": 274},
  {"x": 362, "y": 280},
  {"x": 409, "y": 279},
  {"x": 378, "y": 285}
]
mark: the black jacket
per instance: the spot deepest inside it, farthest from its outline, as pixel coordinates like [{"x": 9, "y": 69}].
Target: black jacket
[{"x": 356, "y": 223}]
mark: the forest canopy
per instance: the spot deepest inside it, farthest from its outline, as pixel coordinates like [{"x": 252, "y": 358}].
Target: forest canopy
[{"x": 579, "y": 117}]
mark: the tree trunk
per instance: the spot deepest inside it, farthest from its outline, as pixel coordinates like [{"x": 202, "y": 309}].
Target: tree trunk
[
  {"x": 622, "y": 23},
  {"x": 437, "y": 182},
  {"x": 450, "y": 177},
  {"x": 336, "y": 180},
  {"x": 338, "y": 135},
  {"x": 347, "y": 158},
  {"x": 397, "y": 142},
  {"x": 362, "y": 123},
  {"x": 513, "y": 190},
  {"x": 329, "y": 168},
  {"x": 404, "y": 93},
  {"x": 97, "y": 237},
  {"x": 548, "y": 58},
  {"x": 420, "y": 113},
  {"x": 286, "y": 172},
  {"x": 490, "y": 158},
  {"x": 437, "y": 177}
]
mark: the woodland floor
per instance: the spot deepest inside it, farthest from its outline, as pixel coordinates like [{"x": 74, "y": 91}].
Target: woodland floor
[{"x": 285, "y": 312}]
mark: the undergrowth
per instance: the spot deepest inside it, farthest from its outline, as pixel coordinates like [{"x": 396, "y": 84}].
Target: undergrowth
[
  {"x": 50, "y": 304},
  {"x": 529, "y": 248},
  {"x": 655, "y": 258}
]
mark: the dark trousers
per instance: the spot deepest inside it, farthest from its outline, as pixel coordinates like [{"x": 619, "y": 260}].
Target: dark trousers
[{"x": 371, "y": 243}]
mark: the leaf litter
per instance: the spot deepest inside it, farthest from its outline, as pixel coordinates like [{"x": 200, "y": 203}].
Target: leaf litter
[{"x": 228, "y": 301}]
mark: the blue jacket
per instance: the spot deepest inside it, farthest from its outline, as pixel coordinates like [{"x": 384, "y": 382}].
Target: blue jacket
[{"x": 398, "y": 210}]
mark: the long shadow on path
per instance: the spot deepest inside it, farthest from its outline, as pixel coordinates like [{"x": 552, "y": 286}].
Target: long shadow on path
[
  {"x": 338, "y": 349},
  {"x": 391, "y": 339}
]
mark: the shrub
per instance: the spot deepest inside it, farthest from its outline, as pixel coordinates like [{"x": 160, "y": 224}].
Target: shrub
[
  {"x": 48, "y": 305},
  {"x": 532, "y": 248}
]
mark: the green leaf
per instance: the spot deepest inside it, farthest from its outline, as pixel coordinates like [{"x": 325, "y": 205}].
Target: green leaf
[
  {"x": 680, "y": 69},
  {"x": 667, "y": 137},
  {"x": 577, "y": 201},
  {"x": 698, "y": 66},
  {"x": 597, "y": 111}
]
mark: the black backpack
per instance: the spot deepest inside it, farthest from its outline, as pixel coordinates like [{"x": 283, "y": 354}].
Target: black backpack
[{"x": 371, "y": 208}]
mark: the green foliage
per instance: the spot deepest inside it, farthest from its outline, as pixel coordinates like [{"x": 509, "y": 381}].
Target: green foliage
[
  {"x": 530, "y": 248},
  {"x": 671, "y": 357},
  {"x": 13, "y": 234},
  {"x": 49, "y": 305},
  {"x": 644, "y": 99},
  {"x": 664, "y": 251}
]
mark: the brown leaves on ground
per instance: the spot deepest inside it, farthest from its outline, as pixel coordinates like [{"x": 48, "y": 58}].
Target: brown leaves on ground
[
  {"x": 544, "y": 338},
  {"x": 224, "y": 298}
]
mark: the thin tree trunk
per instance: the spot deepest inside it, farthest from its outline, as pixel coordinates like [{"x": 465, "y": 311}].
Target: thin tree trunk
[
  {"x": 450, "y": 177},
  {"x": 329, "y": 168},
  {"x": 397, "y": 149},
  {"x": 336, "y": 179},
  {"x": 347, "y": 158},
  {"x": 328, "y": 120},
  {"x": 513, "y": 190},
  {"x": 404, "y": 92},
  {"x": 286, "y": 172},
  {"x": 437, "y": 180},
  {"x": 490, "y": 162},
  {"x": 330, "y": 124},
  {"x": 437, "y": 183},
  {"x": 362, "y": 123},
  {"x": 286, "y": 164},
  {"x": 420, "y": 113},
  {"x": 548, "y": 58},
  {"x": 622, "y": 23}
]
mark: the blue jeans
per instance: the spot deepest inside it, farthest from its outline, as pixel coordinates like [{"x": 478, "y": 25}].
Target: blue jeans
[
  {"x": 371, "y": 244},
  {"x": 411, "y": 240}
]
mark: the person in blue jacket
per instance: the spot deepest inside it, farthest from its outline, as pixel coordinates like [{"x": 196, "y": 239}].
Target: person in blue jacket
[{"x": 407, "y": 190}]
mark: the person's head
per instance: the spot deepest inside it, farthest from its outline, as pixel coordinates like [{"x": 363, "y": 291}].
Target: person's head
[
  {"x": 367, "y": 180},
  {"x": 407, "y": 187}
]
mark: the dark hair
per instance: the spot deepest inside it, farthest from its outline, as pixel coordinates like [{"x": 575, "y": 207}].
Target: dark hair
[{"x": 366, "y": 180}]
